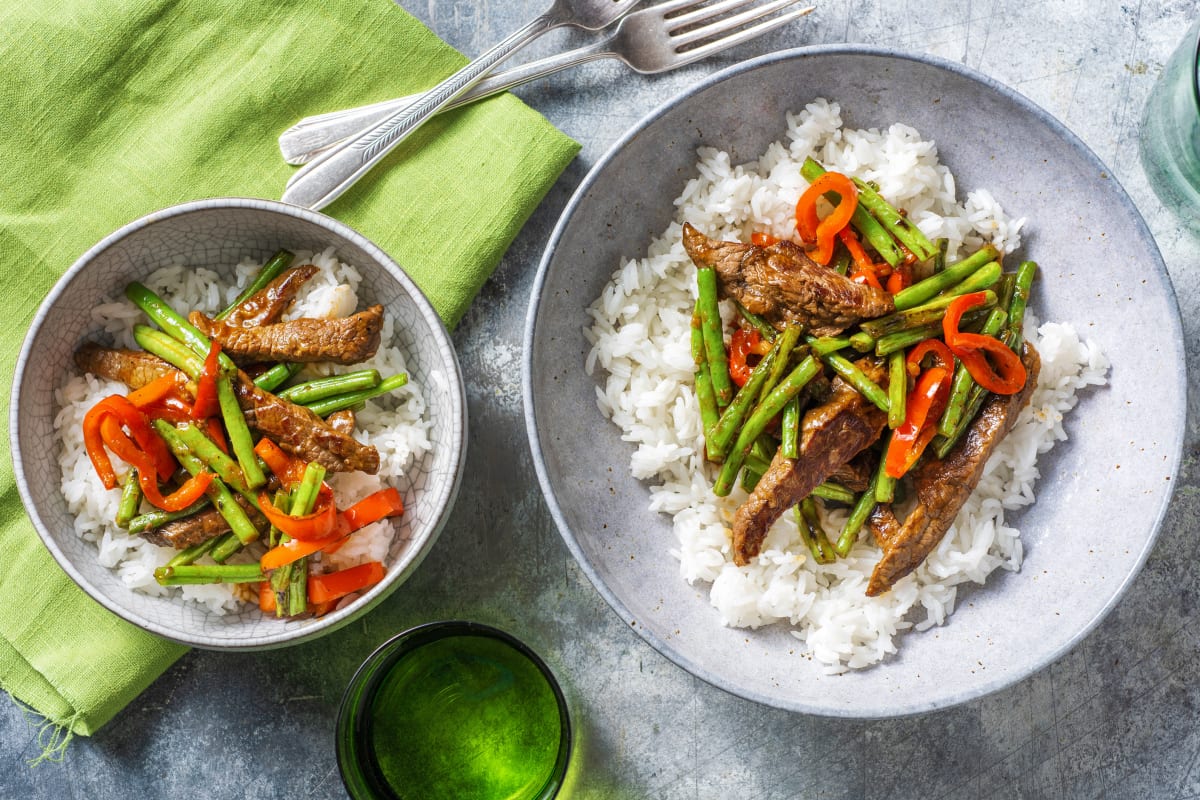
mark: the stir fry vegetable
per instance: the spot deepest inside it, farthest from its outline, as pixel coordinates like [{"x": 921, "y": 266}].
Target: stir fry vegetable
[{"x": 924, "y": 370}]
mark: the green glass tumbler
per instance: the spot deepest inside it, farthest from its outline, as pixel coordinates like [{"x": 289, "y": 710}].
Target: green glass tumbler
[
  {"x": 1170, "y": 144},
  {"x": 453, "y": 710}
]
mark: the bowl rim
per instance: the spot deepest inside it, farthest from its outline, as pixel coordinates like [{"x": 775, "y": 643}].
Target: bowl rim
[
  {"x": 878, "y": 710},
  {"x": 398, "y": 572}
]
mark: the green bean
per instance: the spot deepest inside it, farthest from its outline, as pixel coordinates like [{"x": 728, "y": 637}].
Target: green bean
[
  {"x": 714, "y": 339},
  {"x": 791, "y": 429},
  {"x": 897, "y": 389},
  {"x": 903, "y": 229},
  {"x": 131, "y": 499},
  {"x": 226, "y": 546},
  {"x": 170, "y": 321},
  {"x": 283, "y": 501},
  {"x": 217, "y": 491},
  {"x": 863, "y": 342},
  {"x": 903, "y": 339},
  {"x": 240, "y": 440},
  {"x": 764, "y": 328},
  {"x": 858, "y": 379},
  {"x": 156, "y": 519},
  {"x": 269, "y": 272},
  {"x": 208, "y": 573},
  {"x": 756, "y": 423},
  {"x": 169, "y": 350},
  {"x": 1016, "y": 312},
  {"x": 305, "y": 496},
  {"x": 215, "y": 459},
  {"x": 704, "y": 391},
  {"x": 858, "y": 516},
  {"x": 825, "y": 345},
  {"x": 811, "y": 532},
  {"x": 834, "y": 492},
  {"x": 732, "y": 418},
  {"x": 340, "y": 402},
  {"x": 921, "y": 291},
  {"x": 785, "y": 345},
  {"x": 917, "y": 316},
  {"x": 939, "y": 258},
  {"x": 983, "y": 278},
  {"x": 841, "y": 259},
  {"x": 942, "y": 444},
  {"x": 862, "y": 221},
  {"x": 321, "y": 388},
  {"x": 192, "y": 554},
  {"x": 290, "y": 581},
  {"x": 277, "y": 376},
  {"x": 962, "y": 383},
  {"x": 1005, "y": 288},
  {"x": 885, "y": 484}
]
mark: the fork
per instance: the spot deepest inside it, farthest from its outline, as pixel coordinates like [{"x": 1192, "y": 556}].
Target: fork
[
  {"x": 652, "y": 40},
  {"x": 325, "y": 179}
]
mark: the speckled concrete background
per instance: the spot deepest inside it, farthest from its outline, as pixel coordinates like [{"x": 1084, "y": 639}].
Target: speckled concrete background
[{"x": 1115, "y": 718}]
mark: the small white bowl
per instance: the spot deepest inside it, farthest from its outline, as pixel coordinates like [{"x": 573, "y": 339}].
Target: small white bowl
[{"x": 217, "y": 234}]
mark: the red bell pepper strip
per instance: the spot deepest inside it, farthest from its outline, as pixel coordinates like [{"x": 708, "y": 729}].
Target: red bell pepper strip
[
  {"x": 935, "y": 347},
  {"x": 289, "y": 470},
  {"x": 1003, "y": 373},
  {"x": 857, "y": 252},
  {"x": 170, "y": 408},
  {"x": 381, "y": 504},
  {"x": 335, "y": 585},
  {"x": 923, "y": 408},
  {"x": 900, "y": 279},
  {"x": 266, "y": 597},
  {"x": 93, "y": 442},
  {"x": 295, "y": 549},
  {"x": 309, "y": 527},
  {"x": 822, "y": 232},
  {"x": 206, "y": 404},
  {"x": 154, "y": 391},
  {"x": 743, "y": 344},
  {"x": 867, "y": 277},
  {"x": 139, "y": 428},
  {"x": 217, "y": 433},
  {"x": 762, "y": 239},
  {"x": 116, "y": 440}
]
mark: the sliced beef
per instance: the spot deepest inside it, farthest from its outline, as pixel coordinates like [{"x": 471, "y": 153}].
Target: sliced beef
[
  {"x": 883, "y": 524},
  {"x": 830, "y": 435},
  {"x": 347, "y": 340},
  {"x": 943, "y": 485},
  {"x": 134, "y": 368},
  {"x": 268, "y": 303},
  {"x": 341, "y": 421},
  {"x": 200, "y": 527},
  {"x": 302, "y": 433},
  {"x": 856, "y": 473},
  {"x": 784, "y": 285}
]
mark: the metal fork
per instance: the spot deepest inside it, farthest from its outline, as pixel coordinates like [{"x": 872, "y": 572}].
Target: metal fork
[
  {"x": 648, "y": 41},
  {"x": 325, "y": 179}
]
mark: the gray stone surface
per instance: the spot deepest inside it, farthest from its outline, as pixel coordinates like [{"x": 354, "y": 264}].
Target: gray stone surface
[{"x": 1112, "y": 719}]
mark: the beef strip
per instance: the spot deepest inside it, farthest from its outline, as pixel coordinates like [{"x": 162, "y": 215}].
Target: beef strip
[
  {"x": 830, "y": 435},
  {"x": 134, "y": 368},
  {"x": 943, "y": 485},
  {"x": 341, "y": 421},
  {"x": 268, "y": 303},
  {"x": 856, "y": 473},
  {"x": 200, "y": 527},
  {"x": 346, "y": 340},
  {"x": 302, "y": 433},
  {"x": 783, "y": 285},
  {"x": 883, "y": 524}
]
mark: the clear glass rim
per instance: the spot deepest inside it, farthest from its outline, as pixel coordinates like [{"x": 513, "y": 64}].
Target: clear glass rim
[{"x": 362, "y": 686}]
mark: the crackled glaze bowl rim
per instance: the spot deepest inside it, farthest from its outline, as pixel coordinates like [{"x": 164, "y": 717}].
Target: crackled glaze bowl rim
[{"x": 446, "y": 491}]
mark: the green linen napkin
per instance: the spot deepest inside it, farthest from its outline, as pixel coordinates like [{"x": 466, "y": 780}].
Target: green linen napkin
[{"x": 114, "y": 108}]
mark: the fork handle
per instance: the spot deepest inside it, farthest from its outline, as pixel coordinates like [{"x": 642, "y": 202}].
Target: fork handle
[
  {"x": 311, "y": 135},
  {"x": 328, "y": 177}
]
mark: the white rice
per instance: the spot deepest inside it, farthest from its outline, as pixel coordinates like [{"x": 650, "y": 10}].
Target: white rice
[
  {"x": 396, "y": 425},
  {"x": 640, "y": 338}
]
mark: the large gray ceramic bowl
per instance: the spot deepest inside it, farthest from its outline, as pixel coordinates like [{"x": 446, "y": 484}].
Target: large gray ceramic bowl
[
  {"x": 1101, "y": 495},
  {"x": 218, "y": 234}
]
